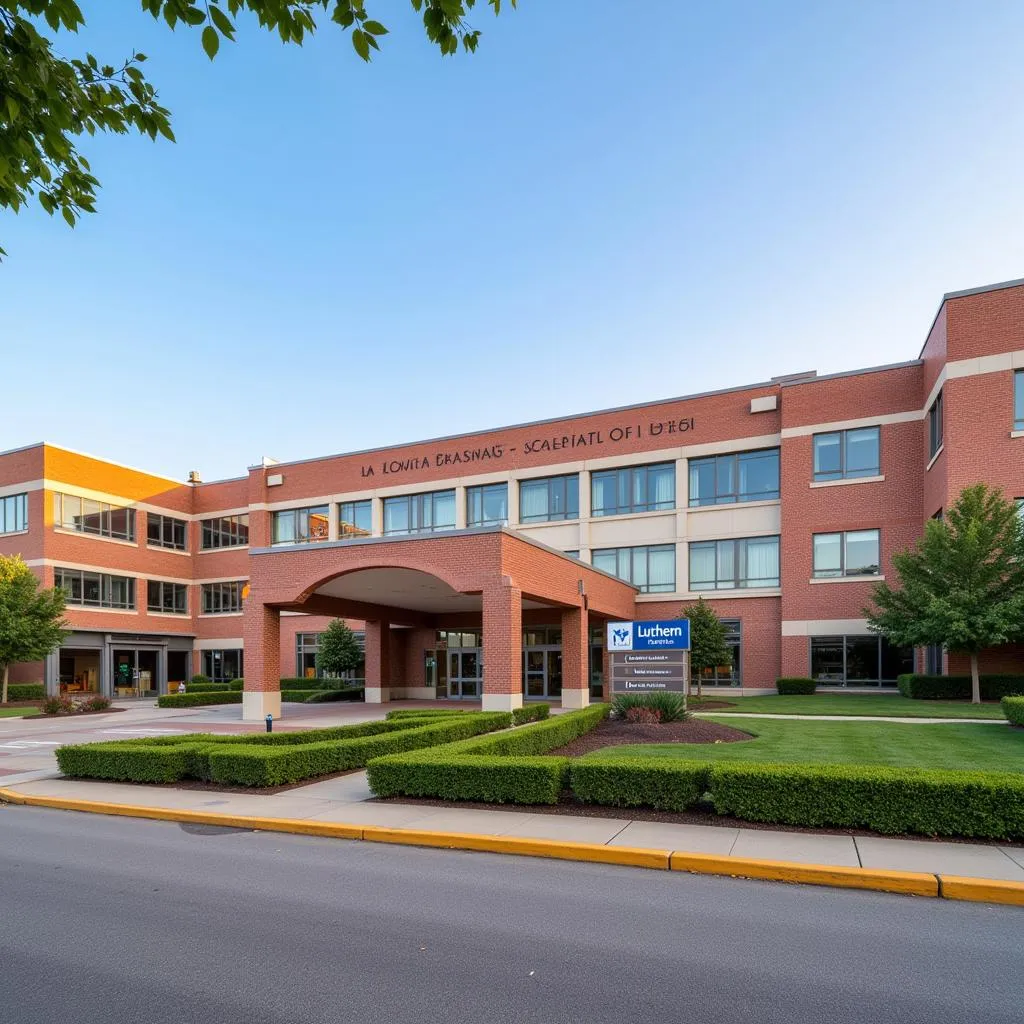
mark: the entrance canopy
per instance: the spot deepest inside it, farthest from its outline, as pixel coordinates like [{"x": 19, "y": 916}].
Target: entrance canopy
[{"x": 487, "y": 577}]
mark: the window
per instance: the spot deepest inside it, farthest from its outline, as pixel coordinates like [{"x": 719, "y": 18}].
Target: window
[
  {"x": 225, "y": 532},
  {"x": 170, "y": 598},
  {"x": 420, "y": 513},
  {"x": 487, "y": 506},
  {"x": 933, "y": 659},
  {"x": 307, "y": 646},
  {"x": 728, "y": 674},
  {"x": 572, "y": 554},
  {"x": 617, "y": 492},
  {"x": 222, "y": 598},
  {"x": 96, "y": 517},
  {"x": 854, "y": 553},
  {"x": 935, "y": 426},
  {"x": 96, "y": 589},
  {"x": 726, "y": 479},
  {"x": 651, "y": 569},
  {"x": 1018, "y": 399},
  {"x": 732, "y": 564},
  {"x": 224, "y": 665},
  {"x": 302, "y": 525},
  {"x": 549, "y": 499},
  {"x": 14, "y": 513},
  {"x": 166, "y": 532},
  {"x": 355, "y": 519},
  {"x": 847, "y": 454},
  {"x": 868, "y": 660}
]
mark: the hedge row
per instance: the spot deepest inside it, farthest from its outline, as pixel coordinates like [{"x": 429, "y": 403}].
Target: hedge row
[
  {"x": 790, "y": 685},
  {"x": 323, "y": 696},
  {"x": 502, "y": 768},
  {"x": 531, "y": 713},
  {"x": 1013, "y": 708},
  {"x": 25, "y": 691},
  {"x": 993, "y": 687},
  {"x": 262, "y": 760},
  {"x": 195, "y": 700}
]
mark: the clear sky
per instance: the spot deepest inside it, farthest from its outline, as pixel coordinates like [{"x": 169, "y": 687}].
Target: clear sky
[{"x": 591, "y": 211}]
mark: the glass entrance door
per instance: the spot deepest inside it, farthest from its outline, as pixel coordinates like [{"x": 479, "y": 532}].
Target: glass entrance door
[
  {"x": 465, "y": 673},
  {"x": 542, "y": 672},
  {"x": 135, "y": 673}
]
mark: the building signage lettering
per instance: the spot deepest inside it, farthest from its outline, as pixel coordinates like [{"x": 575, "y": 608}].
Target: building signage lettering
[
  {"x": 534, "y": 446},
  {"x": 654, "y": 635},
  {"x": 648, "y": 656}
]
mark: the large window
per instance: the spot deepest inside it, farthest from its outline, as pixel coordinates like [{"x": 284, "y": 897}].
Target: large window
[
  {"x": 729, "y": 673},
  {"x": 223, "y": 665},
  {"x": 549, "y": 499},
  {"x": 170, "y": 598},
  {"x": 853, "y": 553},
  {"x": 302, "y": 525},
  {"x": 935, "y": 426},
  {"x": 726, "y": 479},
  {"x": 847, "y": 454},
  {"x": 225, "y": 532},
  {"x": 487, "y": 505},
  {"x": 96, "y": 517},
  {"x": 420, "y": 513},
  {"x": 14, "y": 513},
  {"x": 651, "y": 569},
  {"x": 222, "y": 598},
  {"x": 1018, "y": 400},
  {"x": 96, "y": 589},
  {"x": 307, "y": 647},
  {"x": 867, "y": 660},
  {"x": 355, "y": 519},
  {"x": 617, "y": 492},
  {"x": 732, "y": 564},
  {"x": 166, "y": 532}
]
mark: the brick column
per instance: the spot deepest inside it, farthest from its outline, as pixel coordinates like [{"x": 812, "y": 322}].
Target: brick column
[
  {"x": 503, "y": 646},
  {"x": 261, "y": 630},
  {"x": 378, "y": 662},
  {"x": 575, "y": 658}
]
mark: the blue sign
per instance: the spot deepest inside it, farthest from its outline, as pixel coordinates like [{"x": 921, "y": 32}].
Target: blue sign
[{"x": 652, "y": 635}]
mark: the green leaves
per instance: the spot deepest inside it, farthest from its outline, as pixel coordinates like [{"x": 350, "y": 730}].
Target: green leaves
[{"x": 211, "y": 41}]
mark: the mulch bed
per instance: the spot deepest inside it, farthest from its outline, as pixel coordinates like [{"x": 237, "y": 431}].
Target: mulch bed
[{"x": 615, "y": 734}]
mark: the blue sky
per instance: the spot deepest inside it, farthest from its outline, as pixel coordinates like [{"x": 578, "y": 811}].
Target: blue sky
[{"x": 588, "y": 212}]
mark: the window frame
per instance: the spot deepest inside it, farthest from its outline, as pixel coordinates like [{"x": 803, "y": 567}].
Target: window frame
[
  {"x": 209, "y": 659},
  {"x": 165, "y": 524},
  {"x": 936, "y": 424},
  {"x": 563, "y": 485},
  {"x": 224, "y": 595},
  {"x": 1018, "y": 400},
  {"x": 625, "y": 481},
  {"x": 104, "y": 583},
  {"x": 736, "y": 496},
  {"x": 878, "y": 681},
  {"x": 227, "y": 531},
  {"x": 15, "y": 506},
  {"x": 103, "y": 511},
  {"x": 166, "y": 589},
  {"x": 415, "y": 505},
  {"x": 348, "y": 526},
  {"x": 842, "y": 572},
  {"x": 736, "y": 582},
  {"x": 479, "y": 491},
  {"x": 301, "y": 530},
  {"x": 633, "y": 551},
  {"x": 843, "y": 473}
]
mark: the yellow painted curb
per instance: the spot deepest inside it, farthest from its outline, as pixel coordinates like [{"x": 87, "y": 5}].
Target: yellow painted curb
[
  {"x": 594, "y": 852},
  {"x": 982, "y": 890},
  {"x": 910, "y": 882}
]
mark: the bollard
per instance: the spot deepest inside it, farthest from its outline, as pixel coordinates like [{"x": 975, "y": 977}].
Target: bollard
[{"x": 270, "y": 723}]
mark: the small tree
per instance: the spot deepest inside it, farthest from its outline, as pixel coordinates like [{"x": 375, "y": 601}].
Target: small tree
[
  {"x": 708, "y": 648},
  {"x": 339, "y": 652},
  {"x": 31, "y": 619},
  {"x": 962, "y": 585}
]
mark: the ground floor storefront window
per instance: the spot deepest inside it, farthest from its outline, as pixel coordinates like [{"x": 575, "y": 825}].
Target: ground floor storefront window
[
  {"x": 221, "y": 666},
  {"x": 79, "y": 671},
  {"x": 727, "y": 674},
  {"x": 866, "y": 660}
]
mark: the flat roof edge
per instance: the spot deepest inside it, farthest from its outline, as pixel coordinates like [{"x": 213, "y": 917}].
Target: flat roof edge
[{"x": 854, "y": 373}]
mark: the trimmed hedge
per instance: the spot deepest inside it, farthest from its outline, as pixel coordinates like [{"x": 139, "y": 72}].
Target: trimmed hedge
[
  {"x": 25, "y": 691},
  {"x": 195, "y": 700},
  {"x": 531, "y": 713},
  {"x": 424, "y": 713},
  {"x": 1013, "y": 708},
  {"x": 261, "y": 760},
  {"x": 791, "y": 685},
  {"x": 206, "y": 687},
  {"x": 993, "y": 687},
  {"x": 889, "y": 800},
  {"x": 665, "y": 785},
  {"x": 323, "y": 696}
]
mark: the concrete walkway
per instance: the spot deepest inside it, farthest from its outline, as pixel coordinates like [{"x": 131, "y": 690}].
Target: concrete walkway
[
  {"x": 348, "y": 800},
  {"x": 723, "y": 715}
]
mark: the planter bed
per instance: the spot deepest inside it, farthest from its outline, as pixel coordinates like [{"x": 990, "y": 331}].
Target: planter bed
[{"x": 614, "y": 734}]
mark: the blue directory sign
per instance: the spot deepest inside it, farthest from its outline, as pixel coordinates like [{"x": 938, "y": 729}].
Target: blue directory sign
[{"x": 653, "y": 635}]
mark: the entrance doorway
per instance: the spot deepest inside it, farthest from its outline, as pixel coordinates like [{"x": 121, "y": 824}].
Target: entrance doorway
[
  {"x": 542, "y": 672},
  {"x": 135, "y": 672},
  {"x": 465, "y": 672},
  {"x": 177, "y": 669},
  {"x": 78, "y": 671}
]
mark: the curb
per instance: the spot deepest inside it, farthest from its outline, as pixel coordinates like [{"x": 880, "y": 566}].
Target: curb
[{"x": 952, "y": 887}]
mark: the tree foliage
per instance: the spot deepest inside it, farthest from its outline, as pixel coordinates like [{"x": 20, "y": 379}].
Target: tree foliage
[
  {"x": 962, "y": 585},
  {"x": 31, "y": 618},
  {"x": 708, "y": 648},
  {"x": 48, "y": 100},
  {"x": 338, "y": 650}
]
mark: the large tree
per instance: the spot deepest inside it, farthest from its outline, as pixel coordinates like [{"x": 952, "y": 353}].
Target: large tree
[
  {"x": 708, "y": 648},
  {"x": 338, "y": 650},
  {"x": 48, "y": 100},
  {"x": 31, "y": 618},
  {"x": 962, "y": 585}
]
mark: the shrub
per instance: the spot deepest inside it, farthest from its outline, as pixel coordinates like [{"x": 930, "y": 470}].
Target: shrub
[
  {"x": 665, "y": 785},
  {"x": 195, "y": 700},
  {"x": 25, "y": 691},
  {"x": 530, "y": 713},
  {"x": 58, "y": 706},
  {"x": 993, "y": 687},
  {"x": 206, "y": 687},
  {"x": 671, "y": 707},
  {"x": 887, "y": 800},
  {"x": 200, "y": 678},
  {"x": 236, "y": 684},
  {"x": 423, "y": 713},
  {"x": 643, "y": 716},
  {"x": 791, "y": 685},
  {"x": 1013, "y": 708},
  {"x": 297, "y": 696},
  {"x": 97, "y": 703},
  {"x": 314, "y": 683},
  {"x": 322, "y": 696}
]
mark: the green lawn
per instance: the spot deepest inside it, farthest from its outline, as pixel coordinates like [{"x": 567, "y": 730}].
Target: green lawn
[
  {"x": 872, "y": 704},
  {"x": 18, "y": 712},
  {"x": 956, "y": 745}
]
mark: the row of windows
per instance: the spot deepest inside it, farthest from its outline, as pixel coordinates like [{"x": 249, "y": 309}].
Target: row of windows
[
  {"x": 166, "y": 532},
  {"x": 103, "y": 590},
  {"x": 84, "y": 515},
  {"x": 14, "y": 513},
  {"x": 225, "y": 532}
]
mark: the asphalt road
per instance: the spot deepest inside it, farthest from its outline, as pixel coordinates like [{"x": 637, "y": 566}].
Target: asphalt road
[{"x": 112, "y": 920}]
